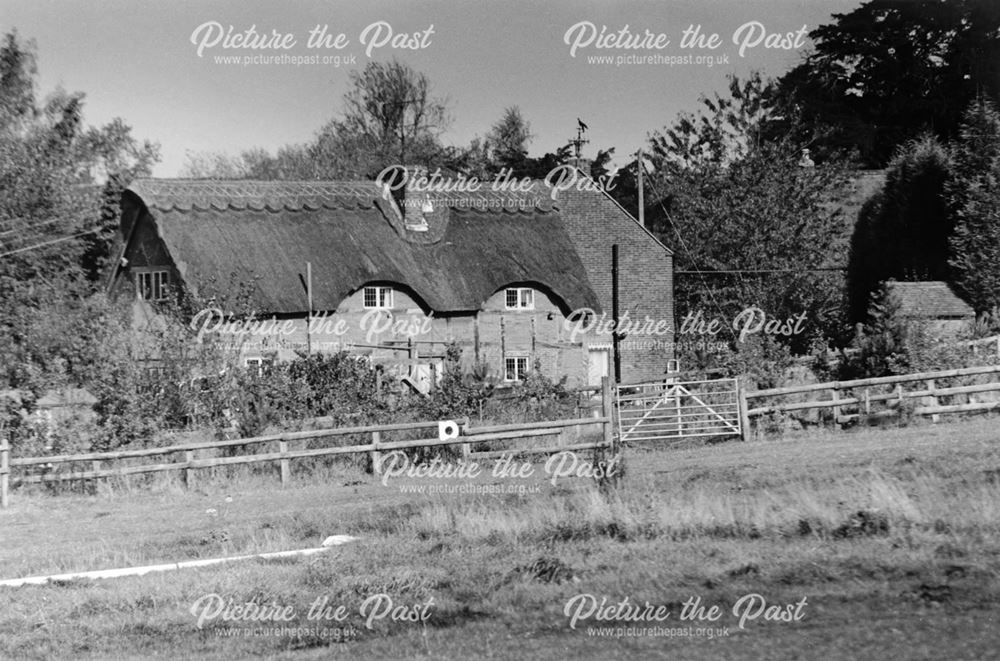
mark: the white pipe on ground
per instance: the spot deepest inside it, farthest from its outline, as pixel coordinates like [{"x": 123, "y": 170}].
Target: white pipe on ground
[{"x": 334, "y": 540}]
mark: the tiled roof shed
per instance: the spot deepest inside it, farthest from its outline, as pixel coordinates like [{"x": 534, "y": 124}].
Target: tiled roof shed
[{"x": 930, "y": 300}]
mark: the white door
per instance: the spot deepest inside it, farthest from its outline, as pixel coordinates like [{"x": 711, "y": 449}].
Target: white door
[{"x": 598, "y": 366}]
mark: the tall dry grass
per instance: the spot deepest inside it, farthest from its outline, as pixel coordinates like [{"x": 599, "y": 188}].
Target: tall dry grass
[{"x": 869, "y": 504}]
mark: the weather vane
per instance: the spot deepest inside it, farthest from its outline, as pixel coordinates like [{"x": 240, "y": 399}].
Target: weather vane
[{"x": 580, "y": 141}]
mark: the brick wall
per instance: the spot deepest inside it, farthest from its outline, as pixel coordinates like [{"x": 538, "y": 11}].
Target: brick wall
[{"x": 595, "y": 223}]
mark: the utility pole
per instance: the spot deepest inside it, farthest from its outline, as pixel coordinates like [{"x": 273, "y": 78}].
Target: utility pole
[
  {"x": 642, "y": 198},
  {"x": 615, "y": 309},
  {"x": 309, "y": 318}
]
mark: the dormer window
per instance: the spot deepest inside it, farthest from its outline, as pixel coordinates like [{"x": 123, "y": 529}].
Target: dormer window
[
  {"x": 520, "y": 298},
  {"x": 378, "y": 298},
  {"x": 152, "y": 285}
]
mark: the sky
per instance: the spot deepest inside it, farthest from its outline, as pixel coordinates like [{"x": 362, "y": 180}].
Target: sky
[{"x": 140, "y": 61}]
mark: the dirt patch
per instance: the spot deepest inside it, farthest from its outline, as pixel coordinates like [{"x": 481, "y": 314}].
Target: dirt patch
[{"x": 863, "y": 523}]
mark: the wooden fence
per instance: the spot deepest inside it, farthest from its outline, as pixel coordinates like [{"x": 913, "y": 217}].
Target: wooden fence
[
  {"x": 188, "y": 462},
  {"x": 850, "y": 400}
]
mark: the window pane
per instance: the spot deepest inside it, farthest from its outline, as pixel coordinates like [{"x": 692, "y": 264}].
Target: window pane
[
  {"x": 371, "y": 299},
  {"x": 515, "y": 368},
  {"x": 512, "y": 298},
  {"x": 151, "y": 285},
  {"x": 526, "y": 298}
]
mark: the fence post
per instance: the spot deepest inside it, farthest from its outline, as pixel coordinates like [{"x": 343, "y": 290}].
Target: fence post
[
  {"x": 467, "y": 447},
  {"x": 608, "y": 411},
  {"x": 4, "y": 472},
  {"x": 932, "y": 399},
  {"x": 678, "y": 410},
  {"x": 834, "y": 396},
  {"x": 286, "y": 468},
  {"x": 99, "y": 482},
  {"x": 741, "y": 400},
  {"x": 376, "y": 455},
  {"x": 188, "y": 470}
]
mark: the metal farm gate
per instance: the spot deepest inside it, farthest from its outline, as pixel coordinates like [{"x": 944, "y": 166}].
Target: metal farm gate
[{"x": 665, "y": 411}]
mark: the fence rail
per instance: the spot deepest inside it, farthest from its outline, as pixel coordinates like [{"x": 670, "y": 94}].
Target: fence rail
[
  {"x": 838, "y": 397},
  {"x": 467, "y": 437}
]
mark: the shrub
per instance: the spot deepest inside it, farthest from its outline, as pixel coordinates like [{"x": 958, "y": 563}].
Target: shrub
[
  {"x": 459, "y": 393},
  {"x": 880, "y": 346},
  {"x": 761, "y": 359},
  {"x": 890, "y": 344}
]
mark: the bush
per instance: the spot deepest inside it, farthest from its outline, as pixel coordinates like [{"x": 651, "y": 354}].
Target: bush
[
  {"x": 880, "y": 346},
  {"x": 889, "y": 344},
  {"x": 458, "y": 394},
  {"x": 761, "y": 359}
]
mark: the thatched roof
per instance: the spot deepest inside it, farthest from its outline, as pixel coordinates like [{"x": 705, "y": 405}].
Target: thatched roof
[{"x": 221, "y": 234}]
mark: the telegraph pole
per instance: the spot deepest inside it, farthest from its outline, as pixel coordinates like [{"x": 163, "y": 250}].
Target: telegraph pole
[{"x": 642, "y": 198}]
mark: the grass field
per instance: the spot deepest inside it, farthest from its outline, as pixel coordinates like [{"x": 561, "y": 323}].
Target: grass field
[{"x": 891, "y": 535}]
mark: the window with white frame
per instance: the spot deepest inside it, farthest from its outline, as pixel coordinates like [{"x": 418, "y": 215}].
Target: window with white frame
[
  {"x": 515, "y": 368},
  {"x": 520, "y": 298},
  {"x": 152, "y": 285},
  {"x": 261, "y": 364},
  {"x": 378, "y": 297}
]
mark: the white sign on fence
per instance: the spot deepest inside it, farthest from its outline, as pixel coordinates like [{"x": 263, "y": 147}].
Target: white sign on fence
[{"x": 447, "y": 429}]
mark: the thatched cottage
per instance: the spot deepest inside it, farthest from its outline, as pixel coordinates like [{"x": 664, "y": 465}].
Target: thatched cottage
[{"x": 504, "y": 275}]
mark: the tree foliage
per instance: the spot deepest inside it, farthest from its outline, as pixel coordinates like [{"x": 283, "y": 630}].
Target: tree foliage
[
  {"x": 935, "y": 217},
  {"x": 880, "y": 346},
  {"x": 902, "y": 232},
  {"x": 974, "y": 197},
  {"x": 509, "y": 138},
  {"x": 57, "y": 221},
  {"x": 728, "y": 194},
  {"x": 389, "y": 116},
  {"x": 886, "y": 72},
  {"x": 728, "y": 128}
]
